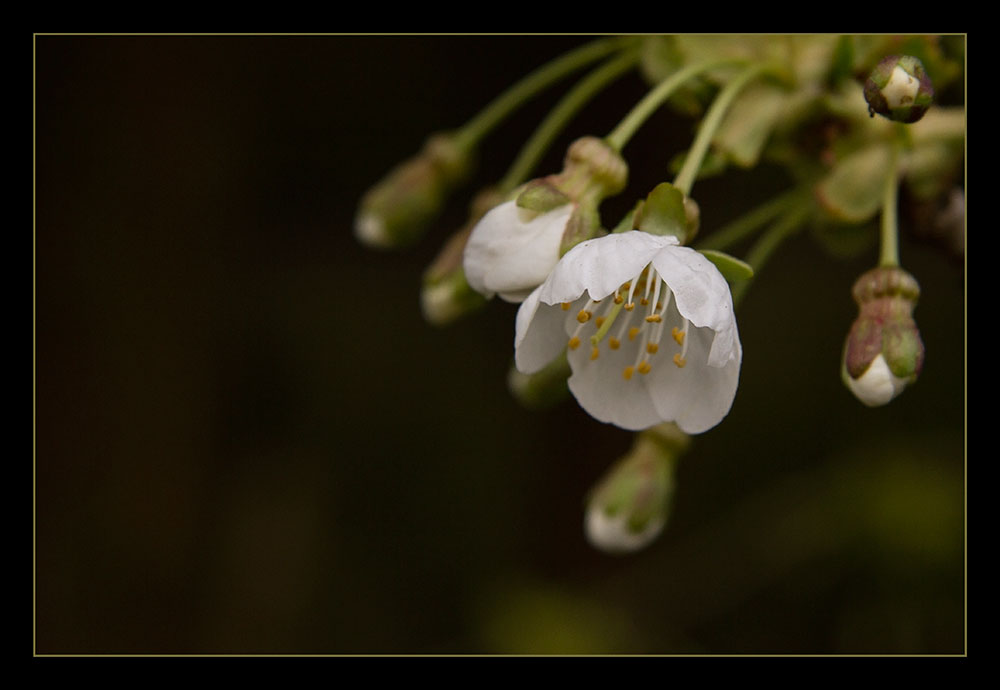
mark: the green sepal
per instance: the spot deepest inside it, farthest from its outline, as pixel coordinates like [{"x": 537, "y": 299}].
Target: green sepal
[
  {"x": 731, "y": 268},
  {"x": 663, "y": 212},
  {"x": 541, "y": 197}
]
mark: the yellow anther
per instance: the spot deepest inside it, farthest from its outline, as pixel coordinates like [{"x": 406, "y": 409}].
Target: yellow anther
[
  {"x": 619, "y": 299},
  {"x": 633, "y": 332},
  {"x": 644, "y": 367},
  {"x": 678, "y": 335},
  {"x": 565, "y": 306},
  {"x": 574, "y": 343},
  {"x": 679, "y": 361},
  {"x": 644, "y": 301},
  {"x": 594, "y": 354},
  {"x": 599, "y": 321},
  {"x": 653, "y": 318},
  {"x": 630, "y": 306},
  {"x": 627, "y": 285},
  {"x": 583, "y": 316},
  {"x": 614, "y": 343},
  {"x": 628, "y": 372},
  {"x": 652, "y": 348}
]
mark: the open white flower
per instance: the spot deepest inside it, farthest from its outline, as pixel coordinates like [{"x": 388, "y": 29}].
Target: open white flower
[
  {"x": 611, "y": 301},
  {"x": 512, "y": 250}
]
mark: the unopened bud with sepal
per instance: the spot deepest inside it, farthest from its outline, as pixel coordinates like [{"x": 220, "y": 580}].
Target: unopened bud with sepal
[
  {"x": 397, "y": 210},
  {"x": 630, "y": 505},
  {"x": 899, "y": 88},
  {"x": 884, "y": 352}
]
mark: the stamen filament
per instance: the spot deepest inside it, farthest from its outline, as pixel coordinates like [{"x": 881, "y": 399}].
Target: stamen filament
[{"x": 606, "y": 325}]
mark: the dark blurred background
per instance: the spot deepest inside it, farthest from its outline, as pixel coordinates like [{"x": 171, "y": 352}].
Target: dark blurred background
[{"x": 249, "y": 441}]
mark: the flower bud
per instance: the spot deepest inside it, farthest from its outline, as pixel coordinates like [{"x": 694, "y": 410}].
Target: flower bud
[
  {"x": 397, "y": 210},
  {"x": 629, "y": 506},
  {"x": 542, "y": 389},
  {"x": 446, "y": 295},
  {"x": 899, "y": 89},
  {"x": 883, "y": 352}
]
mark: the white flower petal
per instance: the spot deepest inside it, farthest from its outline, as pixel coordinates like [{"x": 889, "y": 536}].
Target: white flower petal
[
  {"x": 675, "y": 356},
  {"x": 538, "y": 335},
  {"x": 601, "y": 265},
  {"x": 601, "y": 390},
  {"x": 702, "y": 296},
  {"x": 611, "y": 534},
  {"x": 878, "y": 385},
  {"x": 511, "y": 250},
  {"x": 696, "y": 396}
]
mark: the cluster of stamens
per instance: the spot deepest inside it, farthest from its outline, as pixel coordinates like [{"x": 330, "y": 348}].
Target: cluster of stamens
[{"x": 649, "y": 330}]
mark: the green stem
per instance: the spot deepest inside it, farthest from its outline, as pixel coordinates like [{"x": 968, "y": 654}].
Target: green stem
[
  {"x": 889, "y": 254},
  {"x": 713, "y": 119},
  {"x": 758, "y": 255},
  {"x": 556, "y": 120},
  {"x": 743, "y": 226},
  {"x": 655, "y": 98},
  {"x": 543, "y": 77}
]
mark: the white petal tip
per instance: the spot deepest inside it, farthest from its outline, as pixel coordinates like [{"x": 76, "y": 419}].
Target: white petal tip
[
  {"x": 877, "y": 386},
  {"x": 370, "y": 230},
  {"x": 612, "y": 535},
  {"x": 901, "y": 89}
]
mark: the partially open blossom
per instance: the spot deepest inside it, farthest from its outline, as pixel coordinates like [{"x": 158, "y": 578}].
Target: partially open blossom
[
  {"x": 630, "y": 505},
  {"x": 512, "y": 249},
  {"x": 515, "y": 245},
  {"x": 884, "y": 352},
  {"x": 650, "y": 331}
]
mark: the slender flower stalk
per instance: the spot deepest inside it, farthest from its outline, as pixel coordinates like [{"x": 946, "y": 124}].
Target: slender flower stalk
[
  {"x": 781, "y": 229},
  {"x": 539, "y": 80},
  {"x": 889, "y": 252},
  {"x": 556, "y": 120},
  {"x": 745, "y": 225},
  {"x": 631, "y": 123},
  {"x": 713, "y": 119}
]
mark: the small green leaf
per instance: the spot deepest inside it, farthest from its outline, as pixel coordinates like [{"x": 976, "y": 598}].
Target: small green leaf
[
  {"x": 541, "y": 197},
  {"x": 663, "y": 212},
  {"x": 853, "y": 190},
  {"x": 731, "y": 268},
  {"x": 749, "y": 123}
]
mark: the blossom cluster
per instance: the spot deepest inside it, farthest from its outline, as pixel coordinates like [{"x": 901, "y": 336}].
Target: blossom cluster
[{"x": 637, "y": 321}]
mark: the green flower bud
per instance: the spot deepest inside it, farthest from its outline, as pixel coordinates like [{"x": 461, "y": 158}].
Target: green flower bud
[
  {"x": 397, "y": 210},
  {"x": 543, "y": 389},
  {"x": 446, "y": 295},
  {"x": 899, "y": 89},
  {"x": 884, "y": 352},
  {"x": 629, "y": 506}
]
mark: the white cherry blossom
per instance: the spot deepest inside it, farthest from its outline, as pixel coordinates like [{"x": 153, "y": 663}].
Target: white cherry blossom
[
  {"x": 512, "y": 250},
  {"x": 650, "y": 331}
]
